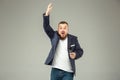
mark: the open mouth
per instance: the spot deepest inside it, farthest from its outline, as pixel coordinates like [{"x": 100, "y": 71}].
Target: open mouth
[
  {"x": 63, "y": 32},
  {"x": 62, "y": 35}
]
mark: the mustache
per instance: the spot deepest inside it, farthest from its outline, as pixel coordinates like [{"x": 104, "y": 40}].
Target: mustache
[{"x": 63, "y": 32}]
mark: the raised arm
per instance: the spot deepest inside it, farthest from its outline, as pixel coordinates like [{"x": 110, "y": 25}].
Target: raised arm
[{"x": 46, "y": 23}]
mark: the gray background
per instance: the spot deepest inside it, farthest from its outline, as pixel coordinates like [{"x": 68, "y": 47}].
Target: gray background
[{"x": 24, "y": 46}]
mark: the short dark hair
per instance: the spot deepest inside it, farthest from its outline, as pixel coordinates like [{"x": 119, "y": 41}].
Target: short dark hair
[{"x": 62, "y": 22}]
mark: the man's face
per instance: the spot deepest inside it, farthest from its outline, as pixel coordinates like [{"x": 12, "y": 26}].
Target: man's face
[{"x": 63, "y": 30}]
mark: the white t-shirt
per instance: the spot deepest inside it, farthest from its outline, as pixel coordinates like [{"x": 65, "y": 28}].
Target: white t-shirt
[{"x": 61, "y": 59}]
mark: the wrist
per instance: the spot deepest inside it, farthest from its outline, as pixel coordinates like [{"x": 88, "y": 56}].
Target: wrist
[{"x": 47, "y": 13}]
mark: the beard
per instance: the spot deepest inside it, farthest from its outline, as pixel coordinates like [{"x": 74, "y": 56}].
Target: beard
[{"x": 62, "y": 36}]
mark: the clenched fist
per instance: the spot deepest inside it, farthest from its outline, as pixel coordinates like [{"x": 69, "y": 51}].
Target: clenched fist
[{"x": 72, "y": 55}]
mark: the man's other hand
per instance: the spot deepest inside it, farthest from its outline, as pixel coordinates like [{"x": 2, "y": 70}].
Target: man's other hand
[{"x": 49, "y": 8}]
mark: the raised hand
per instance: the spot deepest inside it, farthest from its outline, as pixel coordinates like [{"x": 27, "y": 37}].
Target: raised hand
[{"x": 49, "y": 8}]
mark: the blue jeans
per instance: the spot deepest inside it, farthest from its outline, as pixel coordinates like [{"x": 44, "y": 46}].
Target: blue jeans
[{"x": 57, "y": 74}]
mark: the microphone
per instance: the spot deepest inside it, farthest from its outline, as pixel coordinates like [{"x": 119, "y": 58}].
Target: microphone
[{"x": 71, "y": 48}]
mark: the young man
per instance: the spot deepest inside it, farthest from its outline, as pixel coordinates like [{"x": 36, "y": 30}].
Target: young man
[{"x": 65, "y": 49}]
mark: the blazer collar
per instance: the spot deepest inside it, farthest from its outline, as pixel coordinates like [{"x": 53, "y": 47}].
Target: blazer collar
[{"x": 69, "y": 41}]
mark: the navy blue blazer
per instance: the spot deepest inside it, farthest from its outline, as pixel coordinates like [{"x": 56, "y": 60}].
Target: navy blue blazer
[{"x": 73, "y": 44}]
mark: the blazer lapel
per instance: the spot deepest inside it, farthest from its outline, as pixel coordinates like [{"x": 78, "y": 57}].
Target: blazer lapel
[{"x": 69, "y": 42}]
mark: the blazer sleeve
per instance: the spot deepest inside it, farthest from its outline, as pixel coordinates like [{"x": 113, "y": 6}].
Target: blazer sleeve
[
  {"x": 78, "y": 49},
  {"x": 47, "y": 28}
]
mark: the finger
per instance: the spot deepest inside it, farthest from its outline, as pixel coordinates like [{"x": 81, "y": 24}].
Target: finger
[
  {"x": 71, "y": 54},
  {"x": 50, "y": 5}
]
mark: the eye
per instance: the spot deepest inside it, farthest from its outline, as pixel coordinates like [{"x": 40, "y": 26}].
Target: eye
[
  {"x": 60, "y": 28},
  {"x": 65, "y": 27}
]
